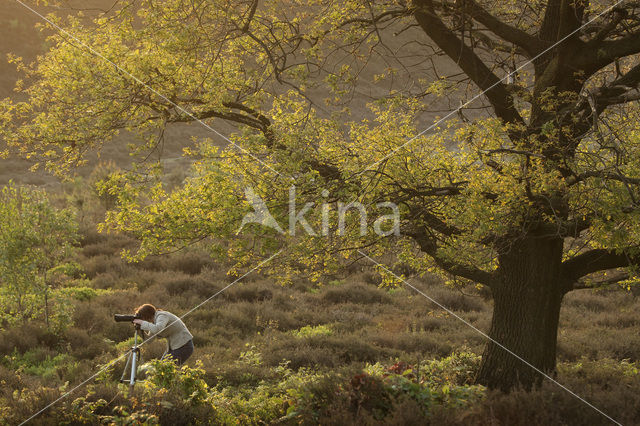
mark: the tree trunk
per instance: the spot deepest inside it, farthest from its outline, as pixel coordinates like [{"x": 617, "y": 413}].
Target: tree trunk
[
  {"x": 46, "y": 306},
  {"x": 527, "y": 300},
  {"x": 46, "y": 298}
]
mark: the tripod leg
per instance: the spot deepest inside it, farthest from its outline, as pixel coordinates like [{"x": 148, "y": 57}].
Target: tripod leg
[
  {"x": 134, "y": 365},
  {"x": 126, "y": 367}
]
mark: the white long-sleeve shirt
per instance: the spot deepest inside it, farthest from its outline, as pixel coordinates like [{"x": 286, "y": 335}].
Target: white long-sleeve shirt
[{"x": 168, "y": 326}]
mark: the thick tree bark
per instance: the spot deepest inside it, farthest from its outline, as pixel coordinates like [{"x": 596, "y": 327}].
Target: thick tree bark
[{"x": 527, "y": 298}]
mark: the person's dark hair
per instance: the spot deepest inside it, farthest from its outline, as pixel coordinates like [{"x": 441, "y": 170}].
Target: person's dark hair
[{"x": 146, "y": 312}]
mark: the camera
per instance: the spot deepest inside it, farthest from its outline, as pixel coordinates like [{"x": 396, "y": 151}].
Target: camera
[{"x": 125, "y": 317}]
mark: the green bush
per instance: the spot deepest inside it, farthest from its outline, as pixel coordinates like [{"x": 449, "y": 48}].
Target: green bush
[
  {"x": 38, "y": 362},
  {"x": 310, "y": 331},
  {"x": 82, "y": 293},
  {"x": 185, "y": 382}
]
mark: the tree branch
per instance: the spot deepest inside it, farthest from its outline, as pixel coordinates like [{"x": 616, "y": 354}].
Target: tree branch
[
  {"x": 468, "y": 61},
  {"x": 599, "y": 53},
  {"x": 252, "y": 12},
  {"x": 617, "y": 15},
  {"x": 428, "y": 246},
  {"x": 593, "y": 261},
  {"x": 433, "y": 221},
  {"x": 602, "y": 174},
  {"x": 622, "y": 90},
  {"x": 582, "y": 285},
  {"x": 215, "y": 113},
  {"x": 528, "y": 43}
]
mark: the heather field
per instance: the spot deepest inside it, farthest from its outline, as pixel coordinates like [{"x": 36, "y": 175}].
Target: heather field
[{"x": 344, "y": 351}]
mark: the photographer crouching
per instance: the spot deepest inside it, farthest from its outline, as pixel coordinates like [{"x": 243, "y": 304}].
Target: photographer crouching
[{"x": 158, "y": 323}]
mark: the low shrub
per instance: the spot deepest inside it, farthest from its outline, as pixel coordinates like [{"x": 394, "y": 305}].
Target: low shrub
[
  {"x": 456, "y": 301},
  {"x": 322, "y": 351},
  {"x": 309, "y": 331},
  {"x": 189, "y": 262},
  {"x": 248, "y": 292},
  {"x": 25, "y": 337},
  {"x": 83, "y": 345},
  {"x": 424, "y": 343},
  {"x": 105, "y": 280},
  {"x": 181, "y": 285},
  {"x": 356, "y": 293},
  {"x": 93, "y": 266}
]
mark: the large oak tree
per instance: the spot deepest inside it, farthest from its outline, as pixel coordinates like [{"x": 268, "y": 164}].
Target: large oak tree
[{"x": 529, "y": 189}]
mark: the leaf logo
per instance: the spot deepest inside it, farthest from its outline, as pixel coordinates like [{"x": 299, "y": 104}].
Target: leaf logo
[{"x": 260, "y": 215}]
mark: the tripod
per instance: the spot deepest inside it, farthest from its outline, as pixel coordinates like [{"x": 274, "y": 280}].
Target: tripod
[{"x": 133, "y": 360}]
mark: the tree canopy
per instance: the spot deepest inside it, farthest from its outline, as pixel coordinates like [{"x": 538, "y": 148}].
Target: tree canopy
[{"x": 528, "y": 187}]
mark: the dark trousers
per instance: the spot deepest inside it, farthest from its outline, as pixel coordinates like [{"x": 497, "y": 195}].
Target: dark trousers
[{"x": 181, "y": 354}]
